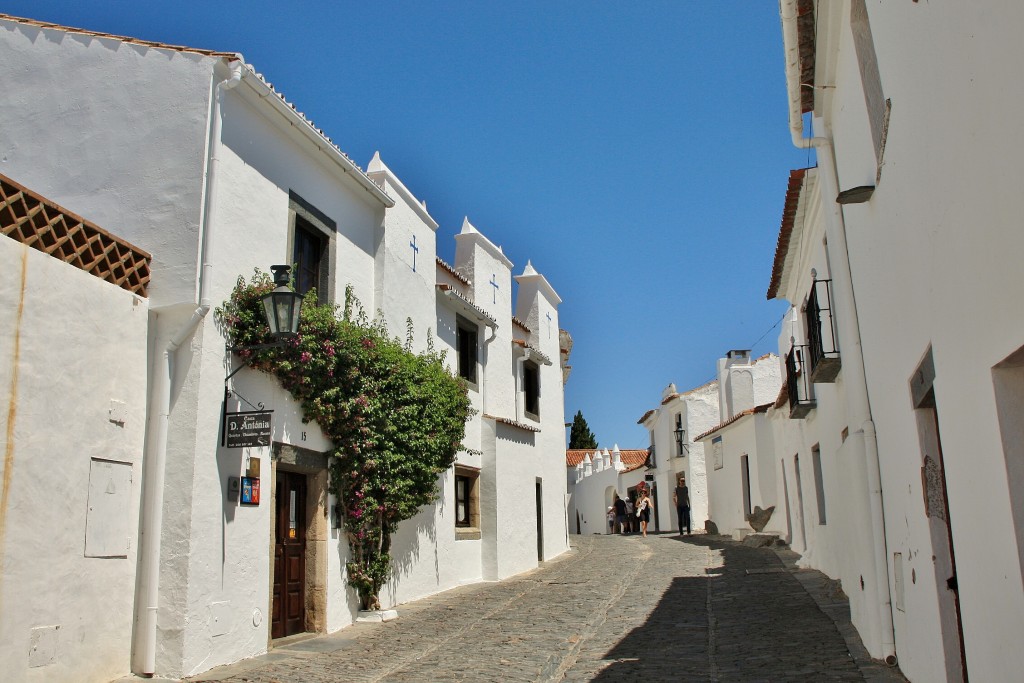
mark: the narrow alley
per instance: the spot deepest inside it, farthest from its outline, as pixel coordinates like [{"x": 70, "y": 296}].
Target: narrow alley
[{"x": 664, "y": 608}]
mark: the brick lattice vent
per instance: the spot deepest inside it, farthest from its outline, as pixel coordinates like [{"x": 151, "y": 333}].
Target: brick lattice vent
[{"x": 37, "y": 222}]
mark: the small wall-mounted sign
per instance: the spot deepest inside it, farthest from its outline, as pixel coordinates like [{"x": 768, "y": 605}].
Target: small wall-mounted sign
[
  {"x": 250, "y": 491},
  {"x": 247, "y": 429}
]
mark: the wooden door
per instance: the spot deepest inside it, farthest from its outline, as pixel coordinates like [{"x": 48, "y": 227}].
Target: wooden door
[{"x": 289, "y": 610}]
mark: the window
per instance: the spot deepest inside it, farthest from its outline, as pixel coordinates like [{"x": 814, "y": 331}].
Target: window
[
  {"x": 466, "y": 342},
  {"x": 819, "y": 484},
  {"x": 309, "y": 251},
  {"x": 652, "y": 460},
  {"x": 312, "y": 236},
  {"x": 462, "y": 485},
  {"x": 467, "y": 503},
  {"x": 531, "y": 389}
]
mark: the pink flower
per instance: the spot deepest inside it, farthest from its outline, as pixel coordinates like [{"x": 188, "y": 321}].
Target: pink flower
[{"x": 306, "y": 357}]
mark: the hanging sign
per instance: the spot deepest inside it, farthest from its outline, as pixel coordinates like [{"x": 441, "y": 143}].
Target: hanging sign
[{"x": 247, "y": 429}]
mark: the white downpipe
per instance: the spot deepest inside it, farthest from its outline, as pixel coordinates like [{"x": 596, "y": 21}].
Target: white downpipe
[
  {"x": 861, "y": 403},
  {"x": 163, "y": 384}
]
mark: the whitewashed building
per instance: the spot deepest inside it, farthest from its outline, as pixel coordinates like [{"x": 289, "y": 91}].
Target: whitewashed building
[
  {"x": 594, "y": 477},
  {"x": 913, "y": 108},
  {"x": 73, "y": 366},
  {"x": 739, "y": 452},
  {"x": 824, "y": 438},
  {"x": 674, "y": 452},
  {"x": 192, "y": 156}
]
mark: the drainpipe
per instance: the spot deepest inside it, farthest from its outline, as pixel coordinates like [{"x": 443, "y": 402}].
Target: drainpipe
[
  {"x": 860, "y": 401},
  {"x": 160, "y": 402}
]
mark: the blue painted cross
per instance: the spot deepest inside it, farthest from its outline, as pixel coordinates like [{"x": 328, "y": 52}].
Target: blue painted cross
[
  {"x": 494, "y": 283},
  {"x": 415, "y": 250},
  {"x": 549, "y": 324}
]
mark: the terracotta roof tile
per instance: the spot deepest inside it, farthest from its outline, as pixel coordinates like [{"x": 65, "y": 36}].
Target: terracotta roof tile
[
  {"x": 123, "y": 39},
  {"x": 232, "y": 56},
  {"x": 519, "y": 323},
  {"x": 646, "y": 415},
  {"x": 796, "y": 181},
  {"x": 806, "y": 29},
  {"x": 763, "y": 408},
  {"x": 631, "y": 458},
  {"x": 451, "y": 271},
  {"x": 513, "y": 423}
]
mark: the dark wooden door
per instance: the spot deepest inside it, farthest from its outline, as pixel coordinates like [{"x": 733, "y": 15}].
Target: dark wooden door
[{"x": 289, "y": 611}]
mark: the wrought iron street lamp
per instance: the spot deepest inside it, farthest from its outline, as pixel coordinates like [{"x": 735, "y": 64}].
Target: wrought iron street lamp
[
  {"x": 680, "y": 439},
  {"x": 282, "y": 305}
]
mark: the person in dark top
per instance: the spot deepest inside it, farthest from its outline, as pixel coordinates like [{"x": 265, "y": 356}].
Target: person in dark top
[
  {"x": 620, "y": 514},
  {"x": 682, "y": 500}
]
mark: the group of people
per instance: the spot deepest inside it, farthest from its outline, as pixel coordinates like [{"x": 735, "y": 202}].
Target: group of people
[{"x": 633, "y": 514}]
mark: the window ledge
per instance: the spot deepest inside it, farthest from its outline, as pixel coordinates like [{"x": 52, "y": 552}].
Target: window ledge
[{"x": 467, "y": 533}]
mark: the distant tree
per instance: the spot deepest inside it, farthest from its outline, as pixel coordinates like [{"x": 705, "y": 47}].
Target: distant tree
[{"x": 580, "y": 435}]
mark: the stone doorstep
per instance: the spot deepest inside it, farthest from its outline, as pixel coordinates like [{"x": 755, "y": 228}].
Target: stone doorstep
[{"x": 376, "y": 616}]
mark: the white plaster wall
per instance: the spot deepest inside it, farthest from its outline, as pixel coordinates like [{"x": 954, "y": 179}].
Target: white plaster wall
[
  {"x": 591, "y": 499},
  {"x": 403, "y": 293},
  {"x": 934, "y": 255},
  {"x": 81, "y": 345},
  {"x": 84, "y": 120},
  {"x": 842, "y": 546},
  {"x": 701, "y": 415},
  {"x": 259, "y": 163},
  {"x": 751, "y": 436},
  {"x": 478, "y": 259}
]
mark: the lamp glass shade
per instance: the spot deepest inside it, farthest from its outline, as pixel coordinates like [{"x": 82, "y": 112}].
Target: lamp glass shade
[{"x": 282, "y": 308}]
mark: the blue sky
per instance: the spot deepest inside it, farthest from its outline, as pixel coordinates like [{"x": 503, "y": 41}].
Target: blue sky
[{"x": 637, "y": 153}]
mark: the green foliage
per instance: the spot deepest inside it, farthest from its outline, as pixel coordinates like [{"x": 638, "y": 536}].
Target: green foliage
[
  {"x": 580, "y": 435},
  {"x": 396, "y": 418}
]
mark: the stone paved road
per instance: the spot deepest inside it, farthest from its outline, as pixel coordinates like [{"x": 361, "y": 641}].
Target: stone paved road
[{"x": 615, "y": 609}]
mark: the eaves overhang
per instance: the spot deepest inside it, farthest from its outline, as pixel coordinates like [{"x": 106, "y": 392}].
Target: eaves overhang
[
  {"x": 460, "y": 304},
  {"x": 794, "y": 213},
  {"x": 265, "y": 92}
]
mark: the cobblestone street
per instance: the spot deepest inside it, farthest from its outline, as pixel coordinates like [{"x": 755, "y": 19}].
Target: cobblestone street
[{"x": 663, "y": 608}]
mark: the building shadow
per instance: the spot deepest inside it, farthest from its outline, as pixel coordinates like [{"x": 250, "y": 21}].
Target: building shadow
[{"x": 748, "y": 619}]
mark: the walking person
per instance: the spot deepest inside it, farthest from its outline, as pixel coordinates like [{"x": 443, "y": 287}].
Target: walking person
[
  {"x": 681, "y": 497},
  {"x": 643, "y": 509},
  {"x": 620, "y": 514}
]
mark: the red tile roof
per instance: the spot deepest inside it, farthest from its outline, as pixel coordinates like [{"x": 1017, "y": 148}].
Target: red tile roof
[
  {"x": 646, "y": 415},
  {"x": 123, "y": 39},
  {"x": 513, "y": 423},
  {"x": 631, "y": 458},
  {"x": 763, "y": 408},
  {"x": 451, "y": 271},
  {"x": 796, "y": 182},
  {"x": 805, "y": 29},
  {"x": 519, "y": 323}
]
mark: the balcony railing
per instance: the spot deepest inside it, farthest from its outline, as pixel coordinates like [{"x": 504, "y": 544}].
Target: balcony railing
[
  {"x": 798, "y": 384},
  {"x": 823, "y": 356}
]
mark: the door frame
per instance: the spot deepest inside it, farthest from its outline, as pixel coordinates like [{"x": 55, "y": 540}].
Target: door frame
[{"x": 312, "y": 464}]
